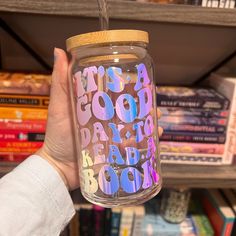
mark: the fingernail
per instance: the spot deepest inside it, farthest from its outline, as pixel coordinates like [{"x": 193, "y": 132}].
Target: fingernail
[{"x": 160, "y": 131}]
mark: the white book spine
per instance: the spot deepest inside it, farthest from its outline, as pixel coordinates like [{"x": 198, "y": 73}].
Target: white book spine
[
  {"x": 204, "y": 3},
  {"x": 232, "y": 4},
  {"x": 227, "y": 87},
  {"x": 139, "y": 213},
  {"x": 126, "y": 222},
  {"x": 215, "y": 3}
]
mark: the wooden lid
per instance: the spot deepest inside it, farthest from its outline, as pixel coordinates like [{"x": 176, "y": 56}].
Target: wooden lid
[{"x": 108, "y": 36}]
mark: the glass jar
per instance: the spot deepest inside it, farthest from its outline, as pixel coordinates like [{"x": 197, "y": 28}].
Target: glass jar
[
  {"x": 114, "y": 116},
  {"x": 174, "y": 204}
]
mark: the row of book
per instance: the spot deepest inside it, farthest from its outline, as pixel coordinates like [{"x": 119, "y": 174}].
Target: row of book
[
  {"x": 198, "y": 122},
  {"x": 203, "y": 3},
  {"x": 24, "y": 100},
  {"x": 211, "y": 212}
]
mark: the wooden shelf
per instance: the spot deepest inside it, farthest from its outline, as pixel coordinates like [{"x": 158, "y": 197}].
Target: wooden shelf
[
  {"x": 184, "y": 175},
  {"x": 199, "y": 176},
  {"x": 126, "y": 10}
]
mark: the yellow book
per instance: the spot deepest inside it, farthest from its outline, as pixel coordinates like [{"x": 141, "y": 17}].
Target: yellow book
[{"x": 13, "y": 100}]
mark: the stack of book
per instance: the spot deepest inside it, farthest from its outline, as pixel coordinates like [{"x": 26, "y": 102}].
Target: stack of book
[
  {"x": 196, "y": 124},
  {"x": 24, "y": 100}
]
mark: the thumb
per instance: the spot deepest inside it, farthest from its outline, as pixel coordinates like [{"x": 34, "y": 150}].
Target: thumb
[{"x": 59, "y": 88}]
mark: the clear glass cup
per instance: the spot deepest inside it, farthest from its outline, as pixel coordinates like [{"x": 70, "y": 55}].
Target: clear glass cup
[{"x": 114, "y": 116}]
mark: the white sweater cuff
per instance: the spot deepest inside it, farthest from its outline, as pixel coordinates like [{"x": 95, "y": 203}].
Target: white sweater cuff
[{"x": 52, "y": 192}]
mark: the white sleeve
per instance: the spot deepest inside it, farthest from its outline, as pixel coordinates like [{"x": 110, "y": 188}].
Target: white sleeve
[{"x": 34, "y": 200}]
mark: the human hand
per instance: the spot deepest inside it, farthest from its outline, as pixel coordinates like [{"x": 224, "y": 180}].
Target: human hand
[{"x": 59, "y": 148}]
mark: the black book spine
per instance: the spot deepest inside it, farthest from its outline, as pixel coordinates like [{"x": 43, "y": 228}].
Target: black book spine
[{"x": 196, "y": 137}]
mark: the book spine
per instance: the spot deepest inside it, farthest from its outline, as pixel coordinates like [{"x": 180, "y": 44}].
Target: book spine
[
  {"x": 232, "y": 4},
  {"x": 139, "y": 213},
  {"x": 115, "y": 222},
  {"x": 191, "y": 120},
  {"x": 74, "y": 225},
  {"x": 29, "y": 147},
  {"x": 186, "y": 158},
  {"x": 126, "y": 221},
  {"x": 86, "y": 219},
  {"x": 32, "y": 101},
  {"x": 23, "y": 113},
  {"x": 219, "y": 212},
  {"x": 21, "y": 136},
  {"x": 191, "y": 112},
  {"x": 107, "y": 222},
  {"x": 14, "y": 157},
  {"x": 227, "y": 87},
  {"x": 192, "y": 128},
  {"x": 25, "y": 126},
  {"x": 218, "y": 105},
  {"x": 193, "y": 137},
  {"x": 182, "y": 147},
  {"x": 99, "y": 218}
]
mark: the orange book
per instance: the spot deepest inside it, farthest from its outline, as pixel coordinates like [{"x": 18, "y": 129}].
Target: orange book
[{"x": 23, "y": 113}]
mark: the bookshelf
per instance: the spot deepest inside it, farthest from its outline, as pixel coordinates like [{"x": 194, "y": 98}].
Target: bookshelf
[
  {"x": 127, "y": 10},
  {"x": 184, "y": 175},
  {"x": 186, "y": 43}
]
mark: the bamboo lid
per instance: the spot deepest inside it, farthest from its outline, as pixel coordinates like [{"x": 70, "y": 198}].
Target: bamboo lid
[{"x": 108, "y": 36}]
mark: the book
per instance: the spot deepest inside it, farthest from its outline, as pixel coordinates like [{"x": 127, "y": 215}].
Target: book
[
  {"x": 227, "y": 87},
  {"x": 201, "y": 222},
  {"x": 219, "y": 212},
  {"x": 115, "y": 221},
  {"x": 230, "y": 197},
  {"x": 139, "y": 214},
  {"x": 33, "y": 101},
  {"x": 25, "y": 83},
  {"x": 188, "y": 97},
  {"x": 14, "y": 157},
  {"x": 17, "y": 147},
  {"x": 20, "y": 136},
  {"x": 193, "y": 112},
  {"x": 74, "y": 225},
  {"x": 154, "y": 224},
  {"x": 126, "y": 221},
  {"x": 191, "y": 120},
  {"x": 194, "y": 137},
  {"x": 107, "y": 222},
  {"x": 86, "y": 219},
  {"x": 98, "y": 220},
  {"x": 188, "y": 128},
  {"x": 185, "y": 147},
  {"x": 191, "y": 158},
  {"x": 23, "y": 125},
  {"x": 21, "y": 113}
]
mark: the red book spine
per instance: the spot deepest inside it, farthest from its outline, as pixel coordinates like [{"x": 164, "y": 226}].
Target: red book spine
[
  {"x": 29, "y": 125},
  {"x": 17, "y": 147},
  {"x": 20, "y": 136},
  {"x": 13, "y": 157}
]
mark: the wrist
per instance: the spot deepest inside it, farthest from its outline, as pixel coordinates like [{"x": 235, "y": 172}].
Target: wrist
[{"x": 55, "y": 165}]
